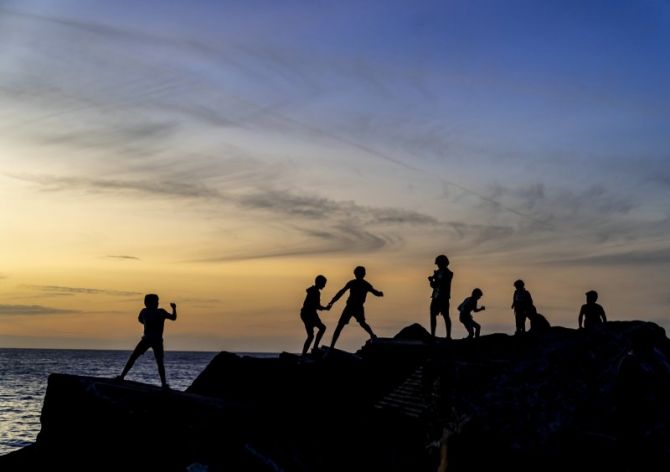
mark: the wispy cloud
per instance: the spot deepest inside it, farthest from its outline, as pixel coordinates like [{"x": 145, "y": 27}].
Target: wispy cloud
[
  {"x": 624, "y": 258},
  {"x": 315, "y": 207},
  {"x": 550, "y": 205},
  {"x": 340, "y": 225},
  {"x": 123, "y": 257},
  {"x": 347, "y": 238},
  {"x": 91, "y": 185},
  {"x": 33, "y": 310},
  {"x": 281, "y": 202},
  {"x": 57, "y": 289}
]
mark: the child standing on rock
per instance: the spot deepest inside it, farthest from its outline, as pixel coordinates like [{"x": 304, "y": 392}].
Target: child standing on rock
[
  {"x": 153, "y": 319},
  {"x": 440, "y": 282},
  {"x": 309, "y": 314},
  {"x": 465, "y": 310},
  {"x": 358, "y": 290},
  {"x": 522, "y": 304},
  {"x": 591, "y": 314}
]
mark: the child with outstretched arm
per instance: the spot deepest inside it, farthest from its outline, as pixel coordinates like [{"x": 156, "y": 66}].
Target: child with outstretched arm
[
  {"x": 153, "y": 319},
  {"x": 358, "y": 289}
]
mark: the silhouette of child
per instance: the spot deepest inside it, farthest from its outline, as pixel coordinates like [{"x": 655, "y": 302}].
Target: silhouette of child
[
  {"x": 309, "y": 315},
  {"x": 538, "y": 323},
  {"x": 591, "y": 314},
  {"x": 358, "y": 290},
  {"x": 440, "y": 282},
  {"x": 153, "y": 319},
  {"x": 465, "y": 310},
  {"x": 522, "y": 303}
]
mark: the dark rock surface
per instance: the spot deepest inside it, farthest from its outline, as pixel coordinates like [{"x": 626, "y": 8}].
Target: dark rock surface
[{"x": 564, "y": 400}]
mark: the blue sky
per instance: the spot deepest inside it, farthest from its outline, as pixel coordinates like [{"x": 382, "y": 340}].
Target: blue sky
[{"x": 521, "y": 138}]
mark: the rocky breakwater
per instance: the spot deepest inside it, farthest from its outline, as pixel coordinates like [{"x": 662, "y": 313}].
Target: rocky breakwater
[{"x": 565, "y": 399}]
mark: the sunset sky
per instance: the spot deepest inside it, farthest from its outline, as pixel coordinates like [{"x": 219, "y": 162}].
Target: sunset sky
[{"x": 224, "y": 153}]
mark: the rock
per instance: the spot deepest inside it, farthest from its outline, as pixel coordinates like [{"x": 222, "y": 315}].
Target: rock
[
  {"x": 414, "y": 332},
  {"x": 551, "y": 401}
]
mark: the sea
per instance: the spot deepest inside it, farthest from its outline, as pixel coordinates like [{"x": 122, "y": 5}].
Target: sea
[{"x": 24, "y": 374}]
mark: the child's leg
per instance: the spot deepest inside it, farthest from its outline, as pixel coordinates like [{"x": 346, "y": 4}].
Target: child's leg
[
  {"x": 433, "y": 316},
  {"x": 359, "y": 316},
  {"x": 140, "y": 349},
  {"x": 342, "y": 322},
  {"x": 336, "y": 334},
  {"x": 468, "y": 326},
  {"x": 520, "y": 318},
  {"x": 310, "y": 337},
  {"x": 367, "y": 328},
  {"x": 159, "y": 355},
  {"x": 477, "y": 327},
  {"x": 447, "y": 322},
  {"x": 319, "y": 334}
]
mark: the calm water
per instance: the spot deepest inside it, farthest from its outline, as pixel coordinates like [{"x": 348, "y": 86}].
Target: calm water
[{"x": 24, "y": 372}]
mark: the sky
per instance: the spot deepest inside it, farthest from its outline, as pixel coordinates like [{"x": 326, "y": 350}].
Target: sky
[{"x": 223, "y": 153}]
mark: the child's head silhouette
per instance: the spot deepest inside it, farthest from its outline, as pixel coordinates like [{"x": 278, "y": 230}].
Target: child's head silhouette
[
  {"x": 442, "y": 261},
  {"x": 151, "y": 300},
  {"x": 359, "y": 272},
  {"x": 519, "y": 284},
  {"x": 320, "y": 281},
  {"x": 477, "y": 293},
  {"x": 591, "y": 296}
]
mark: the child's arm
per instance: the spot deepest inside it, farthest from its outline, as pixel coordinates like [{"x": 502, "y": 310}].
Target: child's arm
[
  {"x": 173, "y": 316},
  {"x": 603, "y": 315},
  {"x": 140, "y": 317},
  {"x": 375, "y": 292},
  {"x": 480, "y": 308},
  {"x": 581, "y": 317},
  {"x": 431, "y": 280},
  {"x": 339, "y": 294}
]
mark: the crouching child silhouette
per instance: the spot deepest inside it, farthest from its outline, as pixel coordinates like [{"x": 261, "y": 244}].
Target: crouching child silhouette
[
  {"x": 309, "y": 315},
  {"x": 538, "y": 323},
  {"x": 358, "y": 291},
  {"x": 153, "y": 319},
  {"x": 465, "y": 310}
]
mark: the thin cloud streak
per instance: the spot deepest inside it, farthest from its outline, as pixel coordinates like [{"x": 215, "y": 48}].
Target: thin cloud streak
[
  {"x": 29, "y": 310},
  {"x": 279, "y": 201},
  {"x": 124, "y": 258},
  {"x": 631, "y": 258},
  {"x": 57, "y": 289},
  {"x": 351, "y": 226},
  {"x": 592, "y": 215}
]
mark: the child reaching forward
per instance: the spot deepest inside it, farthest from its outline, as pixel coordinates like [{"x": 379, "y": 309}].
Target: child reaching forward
[
  {"x": 358, "y": 290},
  {"x": 466, "y": 308},
  {"x": 309, "y": 314}
]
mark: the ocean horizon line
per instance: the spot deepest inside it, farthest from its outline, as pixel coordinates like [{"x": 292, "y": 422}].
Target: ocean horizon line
[{"x": 268, "y": 353}]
